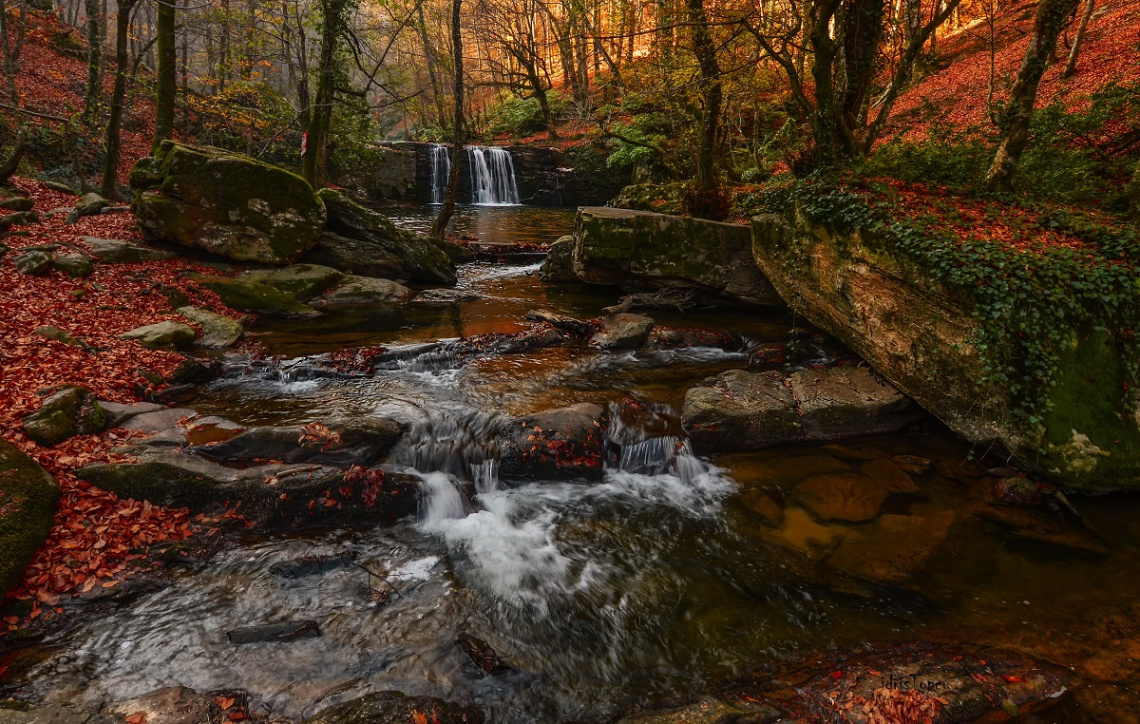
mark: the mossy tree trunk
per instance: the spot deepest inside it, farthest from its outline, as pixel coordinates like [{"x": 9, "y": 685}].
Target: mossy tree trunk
[
  {"x": 112, "y": 141},
  {"x": 439, "y": 226},
  {"x": 711, "y": 96},
  {"x": 334, "y": 26},
  {"x": 167, "y": 73},
  {"x": 1052, "y": 15}
]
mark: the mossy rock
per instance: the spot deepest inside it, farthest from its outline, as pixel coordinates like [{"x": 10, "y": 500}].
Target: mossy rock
[
  {"x": 76, "y": 266},
  {"x": 919, "y": 333},
  {"x": 17, "y": 203},
  {"x": 225, "y": 203},
  {"x": 656, "y": 198},
  {"x": 28, "y": 500},
  {"x": 164, "y": 335},
  {"x": 559, "y": 264},
  {"x": 636, "y": 249},
  {"x": 361, "y": 241},
  {"x": 67, "y": 412},
  {"x": 354, "y": 290},
  {"x": 303, "y": 281},
  {"x": 218, "y": 332},
  {"x": 255, "y": 297},
  {"x": 33, "y": 263}
]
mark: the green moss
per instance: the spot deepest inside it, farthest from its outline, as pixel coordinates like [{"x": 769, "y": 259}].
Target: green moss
[
  {"x": 256, "y": 297},
  {"x": 28, "y": 500}
]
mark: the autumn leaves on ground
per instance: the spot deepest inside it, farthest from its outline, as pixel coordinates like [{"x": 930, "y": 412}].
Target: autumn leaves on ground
[{"x": 98, "y": 538}]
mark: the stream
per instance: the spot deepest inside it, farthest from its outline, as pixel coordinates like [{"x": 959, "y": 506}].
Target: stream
[{"x": 647, "y": 587}]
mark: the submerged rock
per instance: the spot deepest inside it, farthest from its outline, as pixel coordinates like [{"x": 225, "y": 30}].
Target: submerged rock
[
  {"x": 851, "y": 498},
  {"x": 392, "y": 707},
  {"x": 226, "y": 204},
  {"x": 633, "y": 249},
  {"x": 274, "y": 633},
  {"x": 895, "y": 548},
  {"x": 482, "y": 655},
  {"x": 28, "y": 499},
  {"x": 740, "y": 410},
  {"x": 67, "y": 412},
  {"x": 172, "y": 705}
]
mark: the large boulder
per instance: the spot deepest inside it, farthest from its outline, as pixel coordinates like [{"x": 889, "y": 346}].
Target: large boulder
[
  {"x": 250, "y": 295},
  {"x": 67, "y": 412},
  {"x": 362, "y": 241},
  {"x": 919, "y": 329},
  {"x": 739, "y": 410},
  {"x": 639, "y": 250},
  {"x": 28, "y": 497},
  {"x": 225, "y": 203},
  {"x": 566, "y": 443}
]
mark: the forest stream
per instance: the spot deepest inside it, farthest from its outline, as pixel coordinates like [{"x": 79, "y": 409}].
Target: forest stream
[{"x": 648, "y": 587}]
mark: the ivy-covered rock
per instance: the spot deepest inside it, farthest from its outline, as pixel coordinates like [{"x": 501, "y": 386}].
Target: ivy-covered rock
[
  {"x": 68, "y": 412},
  {"x": 225, "y": 203},
  {"x": 1029, "y": 349},
  {"x": 362, "y": 241},
  {"x": 257, "y": 298},
  {"x": 28, "y": 498},
  {"x": 639, "y": 250}
]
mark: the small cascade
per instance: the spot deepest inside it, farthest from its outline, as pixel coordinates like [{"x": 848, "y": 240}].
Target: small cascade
[
  {"x": 492, "y": 177},
  {"x": 443, "y": 500},
  {"x": 646, "y": 438},
  {"x": 464, "y": 446},
  {"x": 440, "y": 171}
]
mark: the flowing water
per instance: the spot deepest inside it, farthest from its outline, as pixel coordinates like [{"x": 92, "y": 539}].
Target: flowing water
[
  {"x": 491, "y": 170},
  {"x": 649, "y": 585}
]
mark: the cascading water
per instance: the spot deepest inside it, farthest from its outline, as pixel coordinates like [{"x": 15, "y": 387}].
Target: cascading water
[
  {"x": 440, "y": 171},
  {"x": 492, "y": 177}
]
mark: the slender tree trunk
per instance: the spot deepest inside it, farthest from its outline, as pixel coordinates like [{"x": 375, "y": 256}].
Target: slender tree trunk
[
  {"x": 112, "y": 139},
  {"x": 167, "y": 89},
  {"x": 1014, "y": 120},
  {"x": 444, "y": 216},
  {"x": 429, "y": 57},
  {"x": 9, "y": 64},
  {"x": 94, "y": 61},
  {"x": 1071, "y": 65}
]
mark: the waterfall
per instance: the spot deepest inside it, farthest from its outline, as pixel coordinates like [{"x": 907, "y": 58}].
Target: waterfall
[
  {"x": 492, "y": 176},
  {"x": 440, "y": 170}
]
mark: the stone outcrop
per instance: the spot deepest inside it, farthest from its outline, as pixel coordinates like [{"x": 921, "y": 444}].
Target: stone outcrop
[
  {"x": 559, "y": 264},
  {"x": 226, "y": 204},
  {"x": 640, "y": 250},
  {"x": 740, "y": 410},
  {"x": 917, "y": 332},
  {"x": 67, "y": 412},
  {"x": 28, "y": 498},
  {"x": 364, "y": 242},
  {"x": 376, "y": 173}
]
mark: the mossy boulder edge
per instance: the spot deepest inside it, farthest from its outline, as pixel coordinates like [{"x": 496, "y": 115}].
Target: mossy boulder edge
[
  {"x": 919, "y": 332},
  {"x": 28, "y": 500},
  {"x": 226, "y": 204}
]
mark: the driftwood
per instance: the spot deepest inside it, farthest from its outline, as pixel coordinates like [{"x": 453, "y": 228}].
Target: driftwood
[{"x": 681, "y": 299}]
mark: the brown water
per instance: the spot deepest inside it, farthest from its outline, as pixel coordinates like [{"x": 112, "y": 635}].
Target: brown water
[{"x": 606, "y": 596}]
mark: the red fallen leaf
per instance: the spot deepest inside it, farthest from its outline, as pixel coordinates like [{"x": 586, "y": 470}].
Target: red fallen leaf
[
  {"x": 1013, "y": 679},
  {"x": 837, "y": 674},
  {"x": 418, "y": 717},
  {"x": 238, "y": 716},
  {"x": 139, "y": 718},
  {"x": 224, "y": 702}
]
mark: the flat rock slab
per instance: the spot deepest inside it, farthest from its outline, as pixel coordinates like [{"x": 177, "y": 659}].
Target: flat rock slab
[
  {"x": 738, "y": 410},
  {"x": 172, "y": 705},
  {"x": 364, "y": 290},
  {"x": 566, "y": 443},
  {"x": 113, "y": 251},
  {"x": 623, "y": 331},
  {"x": 159, "y": 420},
  {"x": 164, "y": 335},
  {"x": 117, "y": 414},
  {"x": 218, "y": 332},
  {"x": 55, "y": 714}
]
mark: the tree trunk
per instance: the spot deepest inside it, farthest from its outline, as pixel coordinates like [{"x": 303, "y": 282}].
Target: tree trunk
[
  {"x": 167, "y": 81},
  {"x": 94, "y": 61},
  {"x": 1071, "y": 65},
  {"x": 12, "y": 163},
  {"x": 711, "y": 95},
  {"x": 439, "y": 226},
  {"x": 333, "y": 29},
  {"x": 1014, "y": 120},
  {"x": 112, "y": 140},
  {"x": 429, "y": 56}
]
